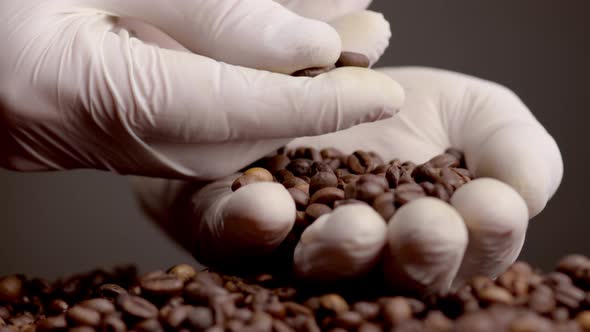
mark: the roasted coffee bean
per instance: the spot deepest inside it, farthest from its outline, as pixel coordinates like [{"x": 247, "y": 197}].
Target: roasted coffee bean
[
  {"x": 82, "y": 316},
  {"x": 11, "y": 288},
  {"x": 312, "y": 72},
  {"x": 111, "y": 291},
  {"x": 583, "y": 319},
  {"x": 348, "y": 320},
  {"x": 475, "y": 322},
  {"x": 408, "y": 192},
  {"x": 408, "y": 166},
  {"x": 436, "y": 321},
  {"x": 427, "y": 173},
  {"x": 102, "y": 306},
  {"x": 395, "y": 310},
  {"x": 368, "y": 310},
  {"x": 348, "y": 202},
  {"x": 397, "y": 175},
  {"x": 327, "y": 196},
  {"x": 244, "y": 180},
  {"x": 384, "y": 205},
  {"x": 542, "y": 300},
  {"x": 367, "y": 191},
  {"x": 342, "y": 172},
  {"x": 295, "y": 182},
  {"x": 113, "y": 323},
  {"x": 531, "y": 323},
  {"x": 577, "y": 267},
  {"x": 183, "y": 272},
  {"x": 322, "y": 180},
  {"x": 136, "y": 307},
  {"x": 300, "y": 198},
  {"x": 201, "y": 293},
  {"x": 167, "y": 284},
  {"x": 370, "y": 327},
  {"x": 81, "y": 329},
  {"x": 280, "y": 326},
  {"x": 450, "y": 176},
  {"x": 316, "y": 210},
  {"x": 282, "y": 175},
  {"x": 52, "y": 324},
  {"x": 494, "y": 294},
  {"x": 352, "y": 59},
  {"x": 200, "y": 318},
  {"x": 294, "y": 308},
  {"x": 334, "y": 303},
  {"x": 361, "y": 162},
  {"x": 445, "y": 160},
  {"x": 175, "y": 317},
  {"x": 262, "y": 174},
  {"x": 300, "y": 167},
  {"x": 277, "y": 163},
  {"x": 56, "y": 307},
  {"x": 321, "y": 166},
  {"x": 331, "y": 153},
  {"x": 148, "y": 325}
]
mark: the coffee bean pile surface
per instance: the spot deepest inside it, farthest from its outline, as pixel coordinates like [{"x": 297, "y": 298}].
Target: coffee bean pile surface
[
  {"x": 320, "y": 181},
  {"x": 181, "y": 299}
]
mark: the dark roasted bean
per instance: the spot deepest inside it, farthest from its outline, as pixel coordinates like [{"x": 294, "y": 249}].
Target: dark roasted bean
[
  {"x": 396, "y": 310},
  {"x": 300, "y": 167},
  {"x": 200, "y": 318},
  {"x": 56, "y": 307},
  {"x": 148, "y": 325},
  {"x": 136, "y": 307},
  {"x": 111, "y": 291},
  {"x": 113, "y": 323},
  {"x": 166, "y": 284},
  {"x": 102, "y": 306},
  {"x": 327, "y": 196},
  {"x": 361, "y": 162},
  {"x": 315, "y": 211},
  {"x": 52, "y": 324},
  {"x": 277, "y": 163},
  {"x": 11, "y": 288},
  {"x": 408, "y": 192},
  {"x": 82, "y": 316},
  {"x": 322, "y": 180}
]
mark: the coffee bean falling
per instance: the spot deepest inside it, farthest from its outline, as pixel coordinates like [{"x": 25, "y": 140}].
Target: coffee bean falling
[{"x": 520, "y": 299}]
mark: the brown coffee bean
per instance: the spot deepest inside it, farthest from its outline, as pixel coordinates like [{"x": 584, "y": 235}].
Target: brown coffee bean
[
  {"x": 352, "y": 59},
  {"x": 321, "y": 166},
  {"x": 183, "y": 272},
  {"x": 409, "y": 166},
  {"x": 410, "y": 325},
  {"x": 81, "y": 329},
  {"x": 474, "y": 322},
  {"x": 315, "y": 211},
  {"x": 348, "y": 320},
  {"x": 175, "y": 317},
  {"x": 294, "y": 308},
  {"x": 300, "y": 198},
  {"x": 367, "y": 310},
  {"x": 348, "y": 202},
  {"x": 408, "y": 192},
  {"x": 102, "y": 306},
  {"x": 53, "y": 324},
  {"x": 381, "y": 169},
  {"x": 577, "y": 267},
  {"x": 427, "y": 173},
  {"x": 82, "y": 316},
  {"x": 244, "y": 180},
  {"x": 280, "y": 326},
  {"x": 111, "y": 291},
  {"x": 148, "y": 325},
  {"x": 436, "y": 321},
  {"x": 395, "y": 310},
  {"x": 262, "y": 174},
  {"x": 56, "y": 307},
  {"x": 277, "y": 163},
  {"x": 397, "y": 175},
  {"x": 21, "y": 320},
  {"x": 386, "y": 209},
  {"x": 334, "y": 303},
  {"x": 200, "y": 318},
  {"x": 322, "y": 180},
  {"x": 360, "y": 162},
  {"x": 167, "y": 284},
  {"x": 327, "y": 196},
  {"x": 542, "y": 300},
  {"x": 113, "y": 323},
  {"x": 444, "y": 160},
  {"x": 342, "y": 172},
  {"x": 295, "y": 182},
  {"x": 283, "y": 174},
  {"x": 261, "y": 321},
  {"x": 331, "y": 153},
  {"x": 494, "y": 294},
  {"x": 202, "y": 293},
  {"x": 560, "y": 314},
  {"x": 583, "y": 319},
  {"x": 367, "y": 191},
  {"x": 136, "y": 307},
  {"x": 531, "y": 323},
  {"x": 312, "y": 72},
  {"x": 370, "y": 327},
  {"x": 300, "y": 167},
  {"x": 11, "y": 288}
]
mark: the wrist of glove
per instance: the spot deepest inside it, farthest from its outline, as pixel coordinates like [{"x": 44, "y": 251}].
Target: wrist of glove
[{"x": 428, "y": 245}]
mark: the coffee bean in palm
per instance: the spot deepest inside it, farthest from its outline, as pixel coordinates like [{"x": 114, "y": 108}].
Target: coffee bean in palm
[
  {"x": 111, "y": 291},
  {"x": 164, "y": 285},
  {"x": 296, "y": 182},
  {"x": 322, "y": 180},
  {"x": 136, "y": 307},
  {"x": 300, "y": 198},
  {"x": 300, "y": 167},
  {"x": 82, "y": 316},
  {"x": 277, "y": 163},
  {"x": 408, "y": 192},
  {"x": 361, "y": 162},
  {"x": 262, "y": 174},
  {"x": 244, "y": 180},
  {"x": 352, "y": 59},
  {"x": 312, "y": 72},
  {"x": 327, "y": 196}
]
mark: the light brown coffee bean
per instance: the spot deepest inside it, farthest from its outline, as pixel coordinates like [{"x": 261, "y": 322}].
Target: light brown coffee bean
[
  {"x": 361, "y": 162},
  {"x": 262, "y": 174},
  {"x": 395, "y": 310},
  {"x": 352, "y": 59},
  {"x": 334, "y": 303},
  {"x": 295, "y": 182},
  {"x": 183, "y": 272}
]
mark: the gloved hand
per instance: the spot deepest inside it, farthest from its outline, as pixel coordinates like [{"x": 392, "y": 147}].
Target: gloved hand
[
  {"x": 78, "y": 91},
  {"x": 429, "y": 245}
]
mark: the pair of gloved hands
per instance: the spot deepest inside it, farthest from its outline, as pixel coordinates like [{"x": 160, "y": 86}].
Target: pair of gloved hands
[{"x": 202, "y": 92}]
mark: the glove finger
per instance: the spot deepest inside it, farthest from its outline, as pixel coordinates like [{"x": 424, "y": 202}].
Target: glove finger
[
  {"x": 496, "y": 217},
  {"x": 345, "y": 243},
  {"x": 426, "y": 243},
  {"x": 325, "y": 10},
  {"x": 258, "y": 34},
  {"x": 364, "y": 32},
  {"x": 235, "y": 227},
  {"x": 151, "y": 96}
]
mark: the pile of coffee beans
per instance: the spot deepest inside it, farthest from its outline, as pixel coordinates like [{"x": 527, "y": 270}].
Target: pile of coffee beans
[
  {"x": 346, "y": 59},
  {"x": 320, "y": 181},
  {"x": 182, "y": 299}
]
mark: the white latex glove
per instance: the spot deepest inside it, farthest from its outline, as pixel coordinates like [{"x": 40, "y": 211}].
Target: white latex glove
[{"x": 78, "y": 91}]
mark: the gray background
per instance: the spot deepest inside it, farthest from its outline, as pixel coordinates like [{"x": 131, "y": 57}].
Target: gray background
[{"x": 58, "y": 223}]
